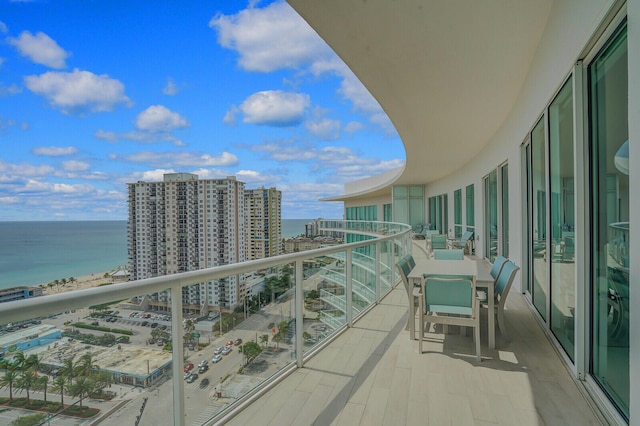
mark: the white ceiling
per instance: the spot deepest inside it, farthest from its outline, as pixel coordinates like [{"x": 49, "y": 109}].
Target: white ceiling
[{"x": 446, "y": 72}]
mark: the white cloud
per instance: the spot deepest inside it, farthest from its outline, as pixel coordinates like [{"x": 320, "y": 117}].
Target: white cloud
[
  {"x": 182, "y": 159},
  {"x": 230, "y": 116},
  {"x": 353, "y": 126},
  {"x": 41, "y": 49},
  {"x": 170, "y": 89},
  {"x": 3, "y": 27},
  {"x": 158, "y": 118},
  {"x": 9, "y": 90},
  {"x": 54, "y": 151},
  {"x": 325, "y": 128},
  {"x": 58, "y": 188},
  {"x": 106, "y": 135},
  {"x": 75, "y": 166},
  {"x": 9, "y": 200},
  {"x": 275, "y": 108},
  {"x": 335, "y": 163},
  {"x": 275, "y": 37},
  {"x": 78, "y": 91},
  {"x": 270, "y": 38}
]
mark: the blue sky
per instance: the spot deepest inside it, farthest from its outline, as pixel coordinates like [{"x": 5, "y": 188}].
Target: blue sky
[{"x": 98, "y": 94}]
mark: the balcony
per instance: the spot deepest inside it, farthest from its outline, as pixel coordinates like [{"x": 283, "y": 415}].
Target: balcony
[{"x": 349, "y": 364}]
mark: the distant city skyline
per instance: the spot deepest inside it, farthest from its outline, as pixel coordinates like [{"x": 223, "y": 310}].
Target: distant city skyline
[{"x": 95, "y": 95}]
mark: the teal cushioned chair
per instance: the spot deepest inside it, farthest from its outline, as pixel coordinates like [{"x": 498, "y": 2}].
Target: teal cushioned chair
[
  {"x": 438, "y": 241},
  {"x": 455, "y": 254},
  {"x": 450, "y": 300},
  {"x": 497, "y": 266}
]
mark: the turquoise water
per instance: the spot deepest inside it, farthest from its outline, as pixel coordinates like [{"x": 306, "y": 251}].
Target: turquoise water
[{"x": 39, "y": 252}]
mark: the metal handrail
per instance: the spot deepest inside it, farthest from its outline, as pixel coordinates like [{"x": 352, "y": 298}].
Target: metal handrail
[{"x": 17, "y": 311}]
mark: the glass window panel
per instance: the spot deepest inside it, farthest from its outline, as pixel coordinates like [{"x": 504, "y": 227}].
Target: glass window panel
[
  {"x": 470, "y": 208},
  {"x": 539, "y": 218},
  {"x": 457, "y": 212},
  {"x": 491, "y": 215},
  {"x": 561, "y": 178},
  {"x": 505, "y": 209},
  {"x": 608, "y": 97}
]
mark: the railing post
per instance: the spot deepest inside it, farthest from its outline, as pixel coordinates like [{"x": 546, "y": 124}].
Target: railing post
[
  {"x": 177, "y": 352},
  {"x": 348, "y": 287},
  {"x": 299, "y": 312},
  {"x": 377, "y": 271}
]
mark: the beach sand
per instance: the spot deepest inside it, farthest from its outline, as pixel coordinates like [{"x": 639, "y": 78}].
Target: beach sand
[{"x": 85, "y": 281}]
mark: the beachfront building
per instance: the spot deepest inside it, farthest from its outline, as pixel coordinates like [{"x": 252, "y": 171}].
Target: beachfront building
[
  {"x": 519, "y": 121},
  {"x": 263, "y": 215},
  {"x": 19, "y": 293},
  {"x": 184, "y": 224}
]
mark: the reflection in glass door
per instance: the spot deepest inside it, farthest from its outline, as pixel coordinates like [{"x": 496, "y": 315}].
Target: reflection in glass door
[
  {"x": 561, "y": 181},
  {"x": 608, "y": 97},
  {"x": 538, "y": 219},
  {"x": 491, "y": 215}
]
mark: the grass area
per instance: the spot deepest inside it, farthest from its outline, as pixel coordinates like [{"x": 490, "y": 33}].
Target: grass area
[{"x": 49, "y": 407}]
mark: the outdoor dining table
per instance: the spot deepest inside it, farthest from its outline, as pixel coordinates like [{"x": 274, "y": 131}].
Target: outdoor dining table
[{"x": 478, "y": 268}]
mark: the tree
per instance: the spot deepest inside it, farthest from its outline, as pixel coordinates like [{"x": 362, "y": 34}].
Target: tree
[
  {"x": 30, "y": 420},
  {"x": 59, "y": 385},
  {"x": 72, "y": 280},
  {"x": 68, "y": 369},
  {"x": 283, "y": 327},
  {"x": 251, "y": 350},
  {"x": 27, "y": 380},
  {"x": 82, "y": 387},
  {"x": 189, "y": 327},
  {"x": 101, "y": 380},
  {"x": 43, "y": 384},
  {"x": 85, "y": 367},
  {"x": 9, "y": 379},
  {"x": 277, "y": 338},
  {"x": 264, "y": 339}
]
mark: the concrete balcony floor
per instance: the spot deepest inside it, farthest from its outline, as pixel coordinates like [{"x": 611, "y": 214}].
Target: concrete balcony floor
[{"x": 373, "y": 374}]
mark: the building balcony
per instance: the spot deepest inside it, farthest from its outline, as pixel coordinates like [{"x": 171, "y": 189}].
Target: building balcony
[{"x": 362, "y": 368}]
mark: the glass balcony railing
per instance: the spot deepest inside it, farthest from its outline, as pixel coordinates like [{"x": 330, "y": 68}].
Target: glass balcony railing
[{"x": 93, "y": 349}]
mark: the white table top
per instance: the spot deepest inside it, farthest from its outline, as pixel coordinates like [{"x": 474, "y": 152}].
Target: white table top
[{"x": 478, "y": 268}]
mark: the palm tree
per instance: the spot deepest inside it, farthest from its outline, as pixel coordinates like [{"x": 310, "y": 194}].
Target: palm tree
[
  {"x": 81, "y": 388},
  {"x": 27, "y": 381},
  {"x": 32, "y": 362},
  {"x": 9, "y": 379},
  {"x": 19, "y": 360},
  {"x": 72, "y": 280},
  {"x": 59, "y": 385},
  {"x": 68, "y": 369},
  {"x": 85, "y": 366},
  {"x": 43, "y": 383}
]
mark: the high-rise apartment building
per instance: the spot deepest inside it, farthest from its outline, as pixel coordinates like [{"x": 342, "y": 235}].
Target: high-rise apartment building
[
  {"x": 185, "y": 224},
  {"x": 263, "y": 222}
]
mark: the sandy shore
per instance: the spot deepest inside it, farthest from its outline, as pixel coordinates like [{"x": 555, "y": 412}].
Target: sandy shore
[{"x": 85, "y": 281}]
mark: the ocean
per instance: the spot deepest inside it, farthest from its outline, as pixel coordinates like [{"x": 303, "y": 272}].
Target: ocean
[{"x": 34, "y": 253}]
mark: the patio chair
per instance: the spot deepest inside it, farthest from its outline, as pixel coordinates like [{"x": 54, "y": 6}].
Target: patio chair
[
  {"x": 502, "y": 286},
  {"x": 404, "y": 266},
  {"x": 438, "y": 241},
  {"x": 497, "y": 266},
  {"x": 455, "y": 254},
  {"x": 463, "y": 242},
  {"x": 450, "y": 301},
  {"x": 418, "y": 231}
]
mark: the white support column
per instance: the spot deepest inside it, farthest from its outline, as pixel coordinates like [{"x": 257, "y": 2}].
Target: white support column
[
  {"x": 177, "y": 353},
  {"x": 348, "y": 287},
  {"x": 299, "y": 314}
]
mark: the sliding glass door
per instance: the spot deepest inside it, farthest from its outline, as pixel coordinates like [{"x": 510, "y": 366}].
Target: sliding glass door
[
  {"x": 538, "y": 219},
  {"x": 608, "y": 98}
]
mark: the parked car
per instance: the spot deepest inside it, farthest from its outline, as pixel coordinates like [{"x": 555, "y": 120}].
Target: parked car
[
  {"x": 204, "y": 383},
  {"x": 187, "y": 375},
  {"x": 188, "y": 367},
  {"x": 192, "y": 378},
  {"x": 229, "y": 343},
  {"x": 216, "y": 358},
  {"x": 226, "y": 350},
  {"x": 237, "y": 342},
  {"x": 203, "y": 362},
  {"x": 154, "y": 325},
  {"x": 203, "y": 368},
  {"x": 145, "y": 323},
  {"x": 218, "y": 351}
]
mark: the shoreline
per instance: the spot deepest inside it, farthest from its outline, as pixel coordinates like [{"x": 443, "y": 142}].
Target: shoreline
[{"x": 81, "y": 282}]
